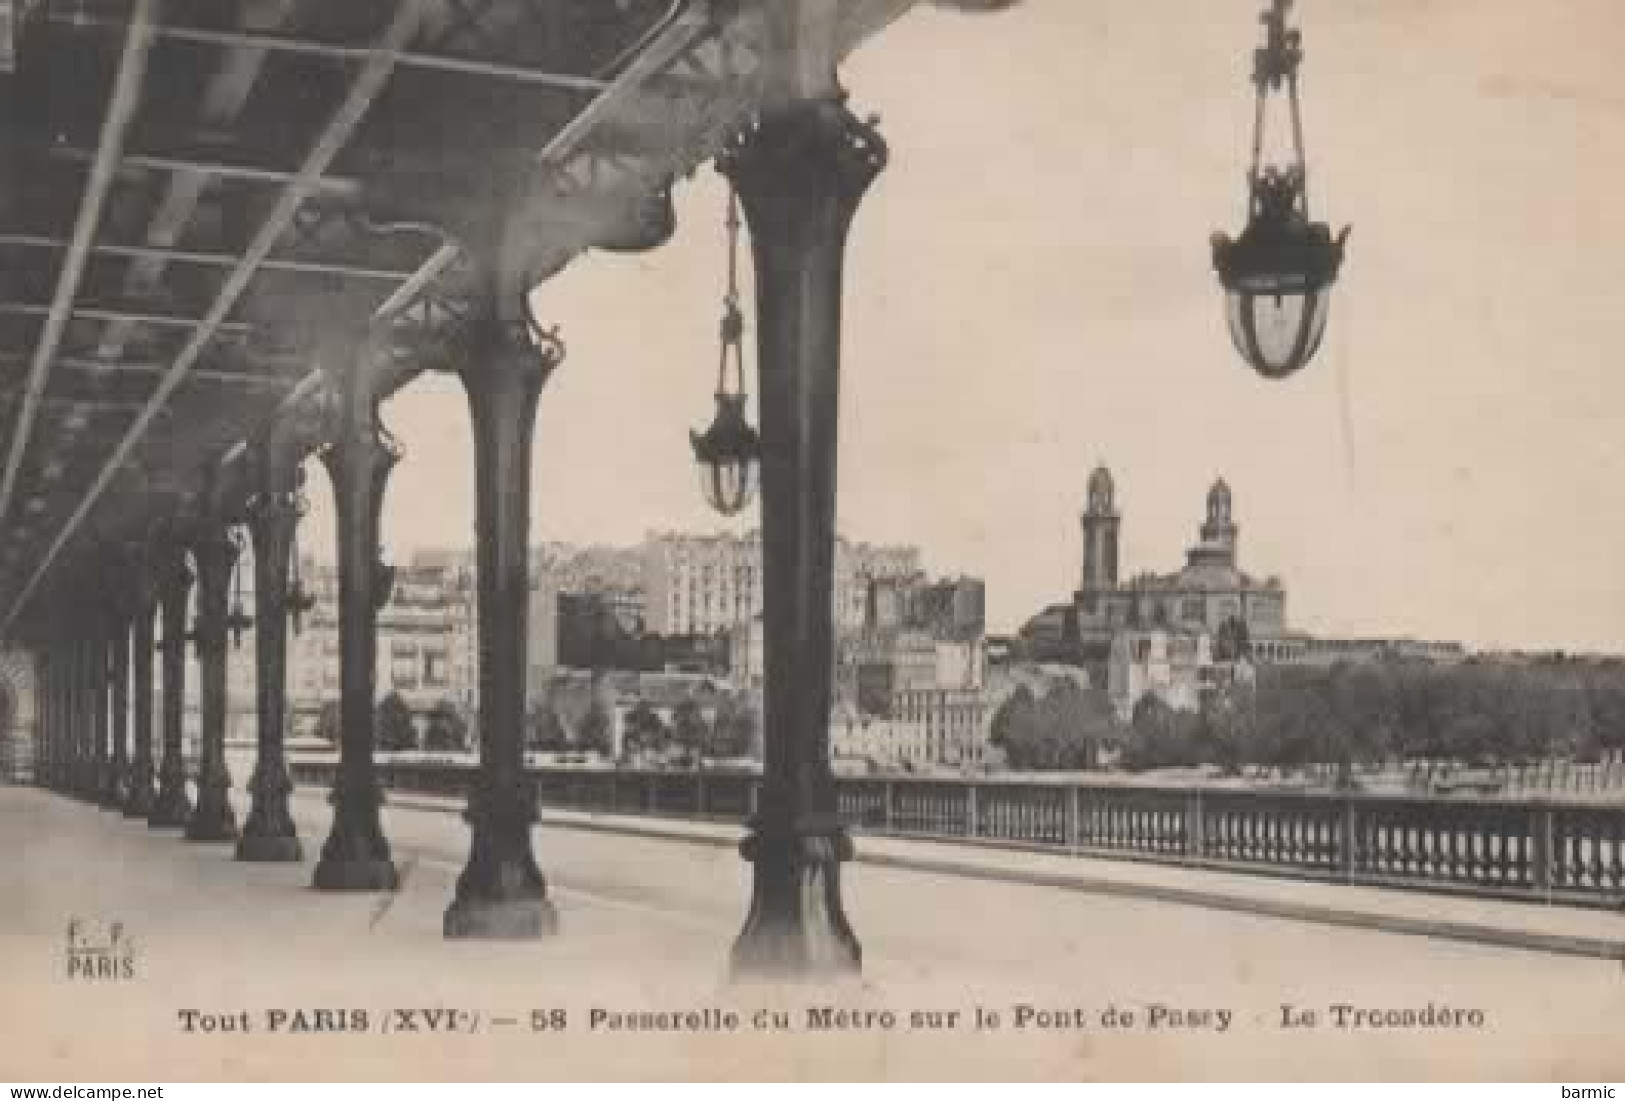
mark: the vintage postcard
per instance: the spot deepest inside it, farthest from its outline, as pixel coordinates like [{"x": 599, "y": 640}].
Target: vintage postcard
[{"x": 554, "y": 540}]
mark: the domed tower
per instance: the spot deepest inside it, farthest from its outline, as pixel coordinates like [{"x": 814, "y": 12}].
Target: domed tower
[
  {"x": 1100, "y": 527},
  {"x": 1219, "y": 529}
]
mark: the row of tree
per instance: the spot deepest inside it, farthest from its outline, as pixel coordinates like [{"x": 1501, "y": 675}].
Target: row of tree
[
  {"x": 1065, "y": 728},
  {"x": 690, "y": 735},
  {"x": 444, "y": 729},
  {"x": 1478, "y": 712}
]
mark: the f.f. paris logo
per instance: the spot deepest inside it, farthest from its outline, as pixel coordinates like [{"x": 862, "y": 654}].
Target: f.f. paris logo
[{"x": 99, "y": 951}]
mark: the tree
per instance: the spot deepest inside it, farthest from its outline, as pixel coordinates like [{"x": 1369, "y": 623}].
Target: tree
[
  {"x": 1228, "y": 728},
  {"x": 446, "y": 730},
  {"x": 1076, "y": 722},
  {"x": 645, "y": 731},
  {"x": 1015, "y": 729},
  {"x": 689, "y": 730},
  {"x": 734, "y": 731},
  {"x": 395, "y": 729},
  {"x": 593, "y": 734},
  {"x": 1162, "y": 736},
  {"x": 543, "y": 729},
  {"x": 1062, "y": 729},
  {"x": 327, "y": 722}
]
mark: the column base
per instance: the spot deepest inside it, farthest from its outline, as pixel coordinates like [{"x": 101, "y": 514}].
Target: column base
[
  {"x": 112, "y": 787},
  {"x": 213, "y": 819},
  {"x": 269, "y": 835},
  {"x": 355, "y": 856},
  {"x": 172, "y": 809},
  {"x": 527, "y": 918},
  {"x": 796, "y": 930},
  {"x": 142, "y": 795},
  {"x": 501, "y": 893}
]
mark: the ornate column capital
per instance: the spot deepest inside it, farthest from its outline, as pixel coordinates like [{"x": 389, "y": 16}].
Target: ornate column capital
[
  {"x": 277, "y": 457},
  {"x": 215, "y": 552},
  {"x": 486, "y": 329},
  {"x": 358, "y": 435},
  {"x": 801, "y": 152}
]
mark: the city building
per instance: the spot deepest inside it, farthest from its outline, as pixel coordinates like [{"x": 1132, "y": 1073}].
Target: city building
[
  {"x": 910, "y": 686},
  {"x": 427, "y": 642},
  {"x": 949, "y": 608},
  {"x": 1208, "y": 592},
  {"x": 710, "y": 584},
  {"x": 1173, "y": 664},
  {"x": 1303, "y": 649},
  {"x": 621, "y": 697},
  {"x": 922, "y": 727},
  {"x": 1209, "y": 596}
]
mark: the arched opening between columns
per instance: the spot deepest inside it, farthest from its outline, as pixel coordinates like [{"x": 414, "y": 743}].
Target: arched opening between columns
[{"x": 17, "y": 718}]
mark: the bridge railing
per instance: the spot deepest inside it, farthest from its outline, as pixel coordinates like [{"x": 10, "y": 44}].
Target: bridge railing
[{"x": 1567, "y": 852}]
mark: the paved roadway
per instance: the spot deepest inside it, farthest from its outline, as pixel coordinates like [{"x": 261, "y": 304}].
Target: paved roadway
[{"x": 646, "y": 925}]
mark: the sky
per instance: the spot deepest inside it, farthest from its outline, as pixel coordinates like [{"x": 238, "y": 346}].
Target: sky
[{"x": 1029, "y": 293}]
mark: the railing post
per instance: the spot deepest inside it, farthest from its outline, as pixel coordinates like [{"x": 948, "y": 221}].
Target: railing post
[
  {"x": 699, "y": 793},
  {"x": 754, "y": 788},
  {"x": 972, "y": 825},
  {"x": 889, "y": 795},
  {"x": 1346, "y": 838},
  {"x": 1193, "y": 826},
  {"x": 1074, "y": 817},
  {"x": 1541, "y": 832}
]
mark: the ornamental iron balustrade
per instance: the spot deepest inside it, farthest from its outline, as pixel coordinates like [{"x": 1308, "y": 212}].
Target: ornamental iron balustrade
[{"x": 1569, "y": 852}]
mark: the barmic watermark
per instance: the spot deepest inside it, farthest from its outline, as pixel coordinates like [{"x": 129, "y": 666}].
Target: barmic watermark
[{"x": 99, "y": 951}]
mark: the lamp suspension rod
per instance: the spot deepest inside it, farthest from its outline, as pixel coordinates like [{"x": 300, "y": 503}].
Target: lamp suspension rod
[{"x": 733, "y": 322}]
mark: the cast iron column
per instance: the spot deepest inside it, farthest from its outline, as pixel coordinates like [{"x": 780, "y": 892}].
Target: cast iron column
[
  {"x": 79, "y": 709},
  {"x": 173, "y": 807},
  {"x": 107, "y": 779},
  {"x": 96, "y": 699},
  {"x": 355, "y": 856},
  {"x": 215, "y": 554},
  {"x": 273, "y": 514},
  {"x": 501, "y": 892},
  {"x": 64, "y": 717},
  {"x": 59, "y": 719},
  {"x": 92, "y": 671},
  {"x": 46, "y": 776},
  {"x": 143, "y": 793},
  {"x": 118, "y": 641},
  {"x": 800, "y": 172},
  {"x": 59, "y": 724}
]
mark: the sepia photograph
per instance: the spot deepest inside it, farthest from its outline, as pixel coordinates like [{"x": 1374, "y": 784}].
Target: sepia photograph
[{"x": 878, "y": 541}]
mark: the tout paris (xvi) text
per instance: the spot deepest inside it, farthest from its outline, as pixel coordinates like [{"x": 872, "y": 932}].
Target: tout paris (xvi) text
[{"x": 826, "y": 1017}]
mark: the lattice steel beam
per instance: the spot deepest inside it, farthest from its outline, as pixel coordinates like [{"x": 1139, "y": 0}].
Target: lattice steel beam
[
  {"x": 121, "y": 108},
  {"x": 114, "y": 367},
  {"x": 675, "y": 40},
  {"x": 431, "y": 62},
  {"x": 213, "y": 259},
  {"x": 207, "y": 166},
  {"x": 366, "y": 86},
  {"x": 120, "y": 313}
]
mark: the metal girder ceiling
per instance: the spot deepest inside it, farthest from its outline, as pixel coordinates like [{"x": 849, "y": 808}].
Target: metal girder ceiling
[{"x": 189, "y": 186}]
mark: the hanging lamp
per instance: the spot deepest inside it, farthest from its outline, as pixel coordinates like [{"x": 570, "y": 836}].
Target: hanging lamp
[
  {"x": 1277, "y": 276},
  {"x": 729, "y": 452},
  {"x": 238, "y": 620},
  {"x": 299, "y": 599}
]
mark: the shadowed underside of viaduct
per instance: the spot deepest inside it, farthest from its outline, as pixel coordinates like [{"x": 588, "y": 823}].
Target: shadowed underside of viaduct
[{"x": 231, "y": 229}]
